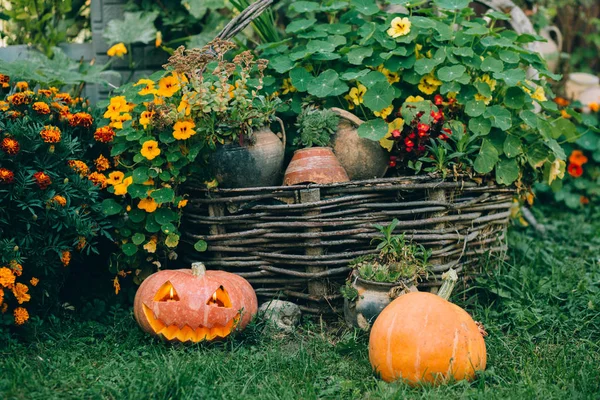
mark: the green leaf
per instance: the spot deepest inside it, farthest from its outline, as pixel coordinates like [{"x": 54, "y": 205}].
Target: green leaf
[
  {"x": 129, "y": 249},
  {"x": 353, "y": 74},
  {"x": 281, "y": 64},
  {"x": 304, "y": 6},
  {"x": 172, "y": 240},
  {"x": 138, "y": 191},
  {"x": 198, "y": 8},
  {"x": 558, "y": 151},
  {"x": 474, "y": 108},
  {"x": 501, "y": 118},
  {"x": 164, "y": 195},
  {"x": 323, "y": 85},
  {"x": 379, "y": 96},
  {"x": 486, "y": 159},
  {"x": 514, "y": 98},
  {"x": 480, "y": 126},
  {"x": 140, "y": 175},
  {"x": 138, "y": 238},
  {"x": 373, "y": 78},
  {"x": 164, "y": 216},
  {"x": 463, "y": 51},
  {"x": 111, "y": 207},
  {"x": 512, "y": 146},
  {"x": 530, "y": 118},
  {"x": 300, "y": 25},
  {"x": 507, "y": 171},
  {"x": 537, "y": 155},
  {"x": 200, "y": 246},
  {"x": 135, "y": 27},
  {"x": 511, "y": 76},
  {"x": 567, "y": 129},
  {"x": 367, "y": 7},
  {"x": 509, "y": 56},
  {"x": 168, "y": 228},
  {"x": 300, "y": 78},
  {"x": 491, "y": 64},
  {"x": 136, "y": 215},
  {"x": 449, "y": 74},
  {"x": 320, "y": 46},
  {"x": 425, "y": 65},
  {"x": 375, "y": 129},
  {"x": 357, "y": 55},
  {"x": 452, "y": 4}
]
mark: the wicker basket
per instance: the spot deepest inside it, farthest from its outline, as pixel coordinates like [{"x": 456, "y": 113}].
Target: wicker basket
[{"x": 295, "y": 242}]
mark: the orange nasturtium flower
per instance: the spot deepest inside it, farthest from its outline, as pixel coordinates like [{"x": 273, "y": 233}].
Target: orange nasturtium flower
[
  {"x": 184, "y": 129},
  {"x": 578, "y": 158},
  {"x": 575, "y": 170},
  {"x": 168, "y": 86},
  {"x": 150, "y": 149},
  {"x": 148, "y": 204},
  {"x": 148, "y": 86},
  {"x": 118, "y": 50},
  {"x": 121, "y": 188}
]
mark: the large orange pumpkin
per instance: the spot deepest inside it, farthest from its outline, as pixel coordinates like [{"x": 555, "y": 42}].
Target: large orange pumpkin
[
  {"x": 421, "y": 337},
  {"x": 194, "y": 305}
]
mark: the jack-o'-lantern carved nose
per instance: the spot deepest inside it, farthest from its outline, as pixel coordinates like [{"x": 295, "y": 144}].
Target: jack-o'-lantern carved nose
[
  {"x": 166, "y": 293},
  {"x": 220, "y": 298}
]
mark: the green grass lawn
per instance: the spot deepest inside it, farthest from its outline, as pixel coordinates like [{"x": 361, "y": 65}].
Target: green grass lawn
[{"x": 541, "y": 309}]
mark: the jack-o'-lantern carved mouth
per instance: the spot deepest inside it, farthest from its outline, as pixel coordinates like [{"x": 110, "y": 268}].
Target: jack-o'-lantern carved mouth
[{"x": 167, "y": 293}]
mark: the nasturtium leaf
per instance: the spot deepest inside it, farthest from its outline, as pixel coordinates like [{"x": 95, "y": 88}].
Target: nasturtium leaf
[
  {"x": 512, "y": 146},
  {"x": 477, "y": 29},
  {"x": 451, "y": 4},
  {"x": 379, "y": 96},
  {"x": 507, "y": 171},
  {"x": 140, "y": 175},
  {"x": 480, "y": 126},
  {"x": 339, "y": 87},
  {"x": 323, "y": 85},
  {"x": 138, "y": 191},
  {"x": 375, "y": 129},
  {"x": 172, "y": 240},
  {"x": 300, "y": 78},
  {"x": 138, "y": 238},
  {"x": 151, "y": 225},
  {"x": 492, "y": 64},
  {"x": 373, "y": 78},
  {"x": 556, "y": 148},
  {"x": 474, "y": 108},
  {"x": 304, "y": 6},
  {"x": 337, "y": 29},
  {"x": 320, "y": 46},
  {"x": 168, "y": 228},
  {"x": 425, "y": 65},
  {"x": 483, "y": 88},
  {"x": 326, "y": 56},
  {"x": 530, "y": 118},
  {"x": 508, "y": 56},
  {"x": 450, "y": 87},
  {"x": 514, "y": 98},
  {"x": 200, "y": 246},
  {"x": 537, "y": 154},
  {"x": 498, "y": 15},
  {"x": 136, "y": 215},
  {"x": 463, "y": 51},
  {"x": 129, "y": 249},
  {"x": 164, "y": 195},
  {"x": 486, "y": 159},
  {"x": 500, "y": 117},
  {"x": 545, "y": 129},
  {"x": 422, "y": 22},
  {"x": 119, "y": 148},
  {"x": 357, "y": 55},
  {"x": 350, "y": 74},
  {"x": 449, "y": 74},
  {"x": 111, "y": 207},
  {"x": 566, "y": 128},
  {"x": 281, "y": 64},
  {"x": 511, "y": 76},
  {"x": 299, "y": 25},
  {"x": 367, "y": 7},
  {"x": 164, "y": 215}
]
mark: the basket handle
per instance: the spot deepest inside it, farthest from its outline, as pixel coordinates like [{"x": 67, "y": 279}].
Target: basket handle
[
  {"x": 348, "y": 115},
  {"x": 244, "y": 18},
  {"x": 283, "y": 139}
]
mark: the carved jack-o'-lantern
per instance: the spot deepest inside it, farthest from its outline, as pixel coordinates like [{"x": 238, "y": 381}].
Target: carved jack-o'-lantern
[{"x": 194, "y": 305}]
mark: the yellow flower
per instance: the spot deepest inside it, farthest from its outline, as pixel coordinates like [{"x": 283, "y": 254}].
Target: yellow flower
[
  {"x": 400, "y": 27},
  {"x": 7, "y": 278},
  {"x": 182, "y": 203},
  {"x": 392, "y": 77},
  {"x": 168, "y": 86},
  {"x": 148, "y": 86},
  {"x": 3, "y": 105},
  {"x": 487, "y": 79},
  {"x": 21, "y": 86},
  {"x": 158, "y": 40},
  {"x": 117, "y": 122},
  {"x": 429, "y": 83},
  {"x": 396, "y": 124},
  {"x": 539, "y": 94},
  {"x": 418, "y": 48},
  {"x": 385, "y": 112},
  {"x": 150, "y": 149},
  {"x": 557, "y": 170},
  {"x": 184, "y": 105},
  {"x": 20, "y": 293},
  {"x": 21, "y": 315},
  {"x": 356, "y": 94},
  {"x": 145, "y": 118},
  {"x": 413, "y": 99},
  {"x": 183, "y": 129},
  {"x": 115, "y": 178},
  {"x": 59, "y": 200},
  {"x": 34, "y": 281},
  {"x": 485, "y": 99},
  {"x": 150, "y": 247},
  {"x": 148, "y": 204},
  {"x": 287, "y": 86},
  {"x": 116, "y": 284},
  {"x": 430, "y": 79},
  {"x": 118, "y": 50},
  {"x": 118, "y": 104},
  {"x": 121, "y": 188},
  {"x": 565, "y": 114},
  {"x": 350, "y": 102}
]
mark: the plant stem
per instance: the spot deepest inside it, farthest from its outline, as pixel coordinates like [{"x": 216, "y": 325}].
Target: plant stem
[{"x": 449, "y": 279}]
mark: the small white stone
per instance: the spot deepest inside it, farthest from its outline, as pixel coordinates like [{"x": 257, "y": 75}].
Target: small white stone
[{"x": 284, "y": 315}]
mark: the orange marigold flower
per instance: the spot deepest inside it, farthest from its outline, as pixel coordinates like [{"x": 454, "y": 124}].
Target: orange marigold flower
[
  {"x": 116, "y": 285},
  {"x": 65, "y": 257},
  {"x": 21, "y": 315},
  {"x": 18, "y": 99},
  {"x": 81, "y": 119},
  {"x": 594, "y": 107},
  {"x": 13, "y": 114},
  {"x": 4, "y": 308},
  {"x": 41, "y": 108},
  {"x": 565, "y": 114},
  {"x": 42, "y": 180},
  {"x": 1, "y": 295},
  {"x": 81, "y": 242},
  {"x": 4, "y": 79},
  {"x": 98, "y": 179},
  {"x": 584, "y": 200},
  {"x": 575, "y": 170},
  {"x": 7, "y": 278},
  {"x": 45, "y": 92},
  {"x": 102, "y": 163},
  {"x": 62, "y": 109},
  {"x": 10, "y": 146},
  {"x": 80, "y": 167},
  {"x": 34, "y": 281},
  {"x": 63, "y": 97},
  {"x": 578, "y": 158},
  {"x": 50, "y": 134},
  {"x": 22, "y": 86},
  {"x": 3, "y": 105},
  {"x": 6, "y": 176},
  {"x": 16, "y": 268},
  {"x": 104, "y": 134},
  {"x": 59, "y": 200},
  {"x": 20, "y": 293}
]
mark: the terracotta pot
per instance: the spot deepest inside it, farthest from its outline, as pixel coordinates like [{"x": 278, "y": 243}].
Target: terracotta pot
[
  {"x": 314, "y": 165},
  {"x": 361, "y": 158},
  {"x": 257, "y": 164},
  {"x": 372, "y": 298}
]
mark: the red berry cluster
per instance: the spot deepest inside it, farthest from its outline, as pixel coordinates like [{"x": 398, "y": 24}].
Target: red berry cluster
[{"x": 412, "y": 140}]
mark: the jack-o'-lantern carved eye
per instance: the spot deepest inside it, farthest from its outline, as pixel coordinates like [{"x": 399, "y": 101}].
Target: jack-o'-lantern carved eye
[
  {"x": 166, "y": 293},
  {"x": 220, "y": 298}
]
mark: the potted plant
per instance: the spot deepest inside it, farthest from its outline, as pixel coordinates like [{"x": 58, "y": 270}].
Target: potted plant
[
  {"x": 315, "y": 161},
  {"x": 379, "y": 278}
]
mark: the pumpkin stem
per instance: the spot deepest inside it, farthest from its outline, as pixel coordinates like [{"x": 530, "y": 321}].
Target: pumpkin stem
[
  {"x": 198, "y": 269},
  {"x": 449, "y": 279}
]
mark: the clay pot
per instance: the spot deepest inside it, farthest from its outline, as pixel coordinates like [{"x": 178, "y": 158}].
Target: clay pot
[
  {"x": 372, "y": 298},
  {"x": 361, "y": 158},
  {"x": 579, "y": 82},
  {"x": 254, "y": 165},
  {"x": 314, "y": 165},
  {"x": 550, "y": 50}
]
